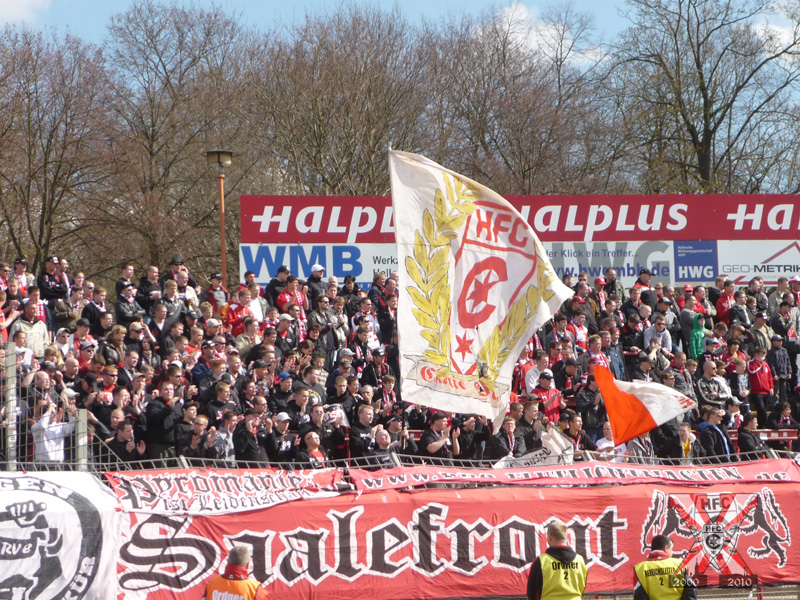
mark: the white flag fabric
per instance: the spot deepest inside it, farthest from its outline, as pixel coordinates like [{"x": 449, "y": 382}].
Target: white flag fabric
[
  {"x": 637, "y": 407},
  {"x": 475, "y": 284}
]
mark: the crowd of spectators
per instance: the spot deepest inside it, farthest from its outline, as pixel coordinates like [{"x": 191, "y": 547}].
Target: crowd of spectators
[{"x": 306, "y": 371}]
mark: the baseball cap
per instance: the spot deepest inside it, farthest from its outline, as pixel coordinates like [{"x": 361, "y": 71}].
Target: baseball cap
[
  {"x": 192, "y": 314},
  {"x": 86, "y": 345},
  {"x": 795, "y": 279},
  {"x": 213, "y": 323},
  {"x": 226, "y": 378},
  {"x": 286, "y": 317},
  {"x": 776, "y": 338},
  {"x": 62, "y": 330},
  {"x": 688, "y": 288},
  {"x": 282, "y": 416},
  {"x": 49, "y": 366},
  {"x": 317, "y": 267},
  {"x": 645, "y": 272},
  {"x": 347, "y": 352},
  {"x": 52, "y": 259},
  {"x": 284, "y": 269},
  {"x": 380, "y": 351},
  {"x": 83, "y": 323},
  {"x": 250, "y": 411},
  {"x": 215, "y": 276},
  {"x": 761, "y": 315},
  {"x": 710, "y": 341},
  {"x": 21, "y": 261},
  {"x": 206, "y": 344},
  {"x": 438, "y": 415},
  {"x": 70, "y": 393},
  {"x": 260, "y": 364},
  {"x": 600, "y": 280},
  {"x": 176, "y": 260},
  {"x": 547, "y": 374},
  {"x": 283, "y": 376},
  {"x": 578, "y": 299}
]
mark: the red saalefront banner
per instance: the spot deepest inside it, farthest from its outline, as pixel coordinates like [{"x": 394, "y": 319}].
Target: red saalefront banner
[
  {"x": 219, "y": 491},
  {"x": 465, "y": 543},
  {"x": 592, "y": 473}
]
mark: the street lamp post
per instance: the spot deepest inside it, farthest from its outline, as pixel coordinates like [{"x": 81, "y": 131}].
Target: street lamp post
[{"x": 221, "y": 158}]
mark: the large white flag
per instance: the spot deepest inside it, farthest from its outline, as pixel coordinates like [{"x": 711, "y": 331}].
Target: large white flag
[{"x": 475, "y": 284}]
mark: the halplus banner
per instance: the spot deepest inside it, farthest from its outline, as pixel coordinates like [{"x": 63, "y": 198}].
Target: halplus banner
[
  {"x": 466, "y": 543},
  {"x": 680, "y": 238}
]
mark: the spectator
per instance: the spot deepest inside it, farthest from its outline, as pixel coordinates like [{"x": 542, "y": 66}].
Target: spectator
[
  {"x": 607, "y": 449},
  {"x": 751, "y": 446},
  {"x": 592, "y": 409},
  {"x": 780, "y": 365},
  {"x": 685, "y": 449},
  {"x": 715, "y": 440},
  {"x": 508, "y": 442},
  {"x": 437, "y": 443},
  {"x": 762, "y": 386},
  {"x": 32, "y": 329},
  {"x": 123, "y": 446},
  {"x": 50, "y": 430},
  {"x": 281, "y": 446},
  {"x": 314, "y": 455}
]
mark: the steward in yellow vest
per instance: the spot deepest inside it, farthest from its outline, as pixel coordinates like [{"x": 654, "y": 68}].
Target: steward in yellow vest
[
  {"x": 560, "y": 573},
  {"x": 659, "y": 578}
]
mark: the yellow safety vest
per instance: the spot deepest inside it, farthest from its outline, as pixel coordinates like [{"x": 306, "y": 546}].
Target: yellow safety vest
[
  {"x": 659, "y": 579},
  {"x": 562, "y": 581}
]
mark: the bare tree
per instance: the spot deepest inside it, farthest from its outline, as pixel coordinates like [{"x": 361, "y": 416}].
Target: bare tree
[
  {"x": 329, "y": 98},
  {"x": 55, "y": 152},
  {"x": 705, "y": 86}
]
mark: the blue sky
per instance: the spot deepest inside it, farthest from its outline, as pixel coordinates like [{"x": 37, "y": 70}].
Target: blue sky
[{"x": 88, "y": 18}]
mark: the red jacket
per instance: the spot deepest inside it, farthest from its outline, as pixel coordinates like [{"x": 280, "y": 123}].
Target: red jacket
[
  {"x": 235, "y": 317},
  {"x": 760, "y": 377}
]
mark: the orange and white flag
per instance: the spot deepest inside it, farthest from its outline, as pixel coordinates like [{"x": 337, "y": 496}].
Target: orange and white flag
[
  {"x": 475, "y": 284},
  {"x": 636, "y": 407}
]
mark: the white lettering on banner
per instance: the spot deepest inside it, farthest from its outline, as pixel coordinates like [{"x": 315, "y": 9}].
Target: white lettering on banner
[
  {"x": 598, "y": 217},
  {"x": 741, "y": 215},
  {"x": 217, "y": 595},
  {"x": 266, "y": 218}
]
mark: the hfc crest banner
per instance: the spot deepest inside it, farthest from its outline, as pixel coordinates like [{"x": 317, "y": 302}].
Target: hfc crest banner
[{"x": 475, "y": 284}]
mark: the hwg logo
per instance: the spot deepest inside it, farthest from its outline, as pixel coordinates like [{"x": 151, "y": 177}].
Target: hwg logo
[{"x": 717, "y": 524}]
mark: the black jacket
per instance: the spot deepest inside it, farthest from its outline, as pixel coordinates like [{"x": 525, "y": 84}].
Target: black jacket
[
  {"x": 750, "y": 445},
  {"x": 714, "y": 444},
  {"x": 501, "y": 445}
]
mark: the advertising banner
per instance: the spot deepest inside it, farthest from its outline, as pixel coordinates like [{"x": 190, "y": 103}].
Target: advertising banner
[
  {"x": 59, "y": 537},
  {"x": 680, "y": 238},
  {"x": 466, "y": 543},
  {"x": 218, "y": 491}
]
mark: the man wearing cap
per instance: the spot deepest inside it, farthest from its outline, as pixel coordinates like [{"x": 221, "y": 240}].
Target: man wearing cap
[
  {"x": 175, "y": 265},
  {"x": 282, "y": 394},
  {"x": 215, "y": 294},
  {"x": 287, "y": 339},
  {"x": 126, "y": 309},
  {"x": 551, "y": 399},
  {"x": 781, "y": 367},
  {"x": 437, "y": 442},
  {"x": 644, "y": 371},
  {"x": 50, "y": 285},
  {"x": 646, "y": 291},
  {"x": 598, "y": 295},
  {"x": 20, "y": 272},
  {"x": 281, "y": 446},
  {"x": 277, "y": 285},
  {"x": 315, "y": 283},
  {"x": 375, "y": 370},
  {"x": 762, "y": 333}
]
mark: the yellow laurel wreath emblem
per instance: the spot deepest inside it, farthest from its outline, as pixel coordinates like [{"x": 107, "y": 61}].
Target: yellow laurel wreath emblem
[{"x": 429, "y": 270}]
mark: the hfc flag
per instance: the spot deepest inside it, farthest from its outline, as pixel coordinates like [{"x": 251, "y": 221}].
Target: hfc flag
[{"x": 475, "y": 284}]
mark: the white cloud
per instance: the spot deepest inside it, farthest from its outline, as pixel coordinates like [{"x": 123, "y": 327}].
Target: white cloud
[
  {"x": 14, "y": 11},
  {"x": 529, "y": 28}
]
